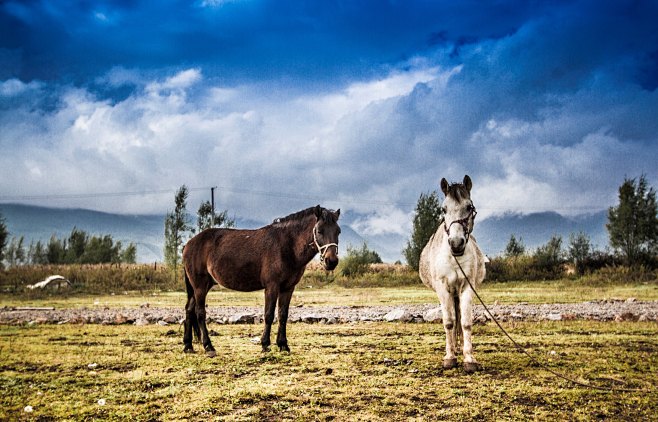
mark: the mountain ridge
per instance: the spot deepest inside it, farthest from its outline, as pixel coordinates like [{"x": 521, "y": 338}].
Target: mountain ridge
[{"x": 146, "y": 231}]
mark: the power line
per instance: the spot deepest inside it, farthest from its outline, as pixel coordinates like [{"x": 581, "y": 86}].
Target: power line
[
  {"x": 285, "y": 195},
  {"x": 6, "y": 198},
  {"x": 282, "y": 195}
]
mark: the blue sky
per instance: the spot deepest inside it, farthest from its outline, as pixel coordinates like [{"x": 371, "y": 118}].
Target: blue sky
[{"x": 361, "y": 105}]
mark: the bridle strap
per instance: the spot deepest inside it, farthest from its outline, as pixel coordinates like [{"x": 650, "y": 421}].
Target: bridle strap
[
  {"x": 322, "y": 249},
  {"x": 464, "y": 223}
]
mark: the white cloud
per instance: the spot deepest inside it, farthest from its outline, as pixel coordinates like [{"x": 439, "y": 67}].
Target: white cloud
[
  {"x": 354, "y": 98},
  {"x": 371, "y": 147},
  {"x": 14, "y": 87}
]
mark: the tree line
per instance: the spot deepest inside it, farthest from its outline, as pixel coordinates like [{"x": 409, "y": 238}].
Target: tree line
[{"x": 78, "y": 248}]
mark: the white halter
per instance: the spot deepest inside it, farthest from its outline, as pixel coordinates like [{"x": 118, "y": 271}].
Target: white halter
[{"x": 322, "y": 249}]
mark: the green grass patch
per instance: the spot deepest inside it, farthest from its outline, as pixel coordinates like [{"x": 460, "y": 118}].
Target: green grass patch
[{"x": 369, "y": 371}]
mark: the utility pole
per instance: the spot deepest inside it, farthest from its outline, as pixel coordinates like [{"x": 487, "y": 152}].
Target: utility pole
[{"x": 212, "y": 206}]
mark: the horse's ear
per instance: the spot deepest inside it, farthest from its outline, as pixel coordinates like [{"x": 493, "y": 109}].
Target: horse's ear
[
  {"x": 337, "y": 213},
  {"x": 318, "y": 211},
  {"x": 444, "y": 186},
  {"x": 468, "y": 183}
]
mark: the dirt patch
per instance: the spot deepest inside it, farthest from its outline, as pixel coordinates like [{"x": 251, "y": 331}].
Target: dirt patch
[{"x": 607, "y": 310}]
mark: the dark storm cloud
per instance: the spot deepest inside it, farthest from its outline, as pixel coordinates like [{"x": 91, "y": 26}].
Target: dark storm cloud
[{"x": 361, "y": 103}]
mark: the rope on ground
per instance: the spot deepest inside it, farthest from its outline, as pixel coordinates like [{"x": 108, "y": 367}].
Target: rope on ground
[{"x": 535, "y": 361}]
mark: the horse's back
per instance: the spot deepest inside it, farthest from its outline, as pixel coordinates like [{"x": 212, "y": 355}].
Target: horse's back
[{"x": 233, "y": 258}]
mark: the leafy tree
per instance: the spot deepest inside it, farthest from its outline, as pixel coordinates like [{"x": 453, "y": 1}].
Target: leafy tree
[
  {"x": 56, "y": 250},
  {"x": 427, "y": 218},
  {"x": 514, "y": 247},
  {"x": 77, "y": 244},
  {"x": 549, "y": 256},
  {"x": 206, "y": 219},
  {"x": 4, "y": 234},
  {"x": 129, "y": 255},
  {"x": 176, "y": 224},
  {"x": 101, "y": 250},
  {"x": 37, "y": 254},
  {"x": 357, "y": 261},
  {"x": 633, "y": 224},
  {"x": 15, "y": 254},
  {"x": 579, "y": 250}
]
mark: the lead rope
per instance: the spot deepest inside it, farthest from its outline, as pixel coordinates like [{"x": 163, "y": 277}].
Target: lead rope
[{"x": 535, "y": 361}]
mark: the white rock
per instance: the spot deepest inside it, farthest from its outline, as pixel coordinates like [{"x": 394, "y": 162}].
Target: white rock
[
  {"x": 398, "y": 314},
  {"x": 242, "y": 319},
  {"x": 140, "y": 322},
  {"x": 433, "y": 315}
]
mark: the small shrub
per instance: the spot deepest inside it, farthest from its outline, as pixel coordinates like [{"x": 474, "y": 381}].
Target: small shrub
[
  {"x": 375, "y": 275},
  {"x": 357, "y": 261}
]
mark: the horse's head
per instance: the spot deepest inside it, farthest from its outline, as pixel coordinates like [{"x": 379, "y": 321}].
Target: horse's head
[
  {"x": 459, "y": 214},
  {"x": 325, "y": 236}
]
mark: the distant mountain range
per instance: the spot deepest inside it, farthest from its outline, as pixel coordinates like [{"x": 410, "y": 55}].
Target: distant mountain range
[{"x": 147, "y": 231}]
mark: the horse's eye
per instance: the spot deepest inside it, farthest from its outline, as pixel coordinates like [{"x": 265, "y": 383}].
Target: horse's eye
[
  {"x": 469, "y": 207},
  {"x": 321, "y": 232}
]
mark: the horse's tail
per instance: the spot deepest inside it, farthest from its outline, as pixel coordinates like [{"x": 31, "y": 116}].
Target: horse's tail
[
  {"x": 459, "y": 333},
  {"x": 191, "y": 304}
]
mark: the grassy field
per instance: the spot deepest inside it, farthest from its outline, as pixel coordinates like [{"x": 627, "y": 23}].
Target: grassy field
[
  {"x": 361, "y": 371},
  {"x": 364, "y": 371}
]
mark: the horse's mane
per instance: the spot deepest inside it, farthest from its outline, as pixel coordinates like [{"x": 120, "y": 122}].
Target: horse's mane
[
  {"x": 458, "y": 191},
  {"x": 300, "y": 215},
  {"x": 295, "y": 216}
]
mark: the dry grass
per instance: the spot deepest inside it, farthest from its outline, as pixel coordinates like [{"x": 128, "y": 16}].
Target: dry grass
[{"x": 364, "y": 371}]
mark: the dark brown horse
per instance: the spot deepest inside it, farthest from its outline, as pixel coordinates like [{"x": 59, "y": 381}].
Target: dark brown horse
[{"x": 272, "y": 258}]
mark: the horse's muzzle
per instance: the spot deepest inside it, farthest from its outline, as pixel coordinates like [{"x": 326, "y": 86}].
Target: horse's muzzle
[
  {"x": 330, "y": 263},
  {"x": 457, "y": 252},
  {"x": 457, "y": 246}
]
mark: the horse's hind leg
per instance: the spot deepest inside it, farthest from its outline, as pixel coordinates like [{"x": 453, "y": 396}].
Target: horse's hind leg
[
  {"x": 200, "y": 308},
  {"x": 190, "y": 324}
]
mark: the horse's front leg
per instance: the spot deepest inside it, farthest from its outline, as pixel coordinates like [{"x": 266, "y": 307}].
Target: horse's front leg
[
  {"x": 449, "y": 318},
  {"x": 271, "y": 295},
  {"x": 284, "y": 305},
  {"x": 470, "y": 364}
]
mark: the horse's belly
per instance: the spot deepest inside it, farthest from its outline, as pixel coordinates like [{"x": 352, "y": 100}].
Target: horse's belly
[{"x": 244, "y": 280}]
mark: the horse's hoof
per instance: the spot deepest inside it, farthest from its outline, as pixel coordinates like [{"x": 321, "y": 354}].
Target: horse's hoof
[
  {"x": 188, "y": 350},
  {"x": 284, "y": 348},
  {"x": 211, "y": 353},
  {"x": 471, "y": 367},
  {"x": 449, "y": 363},
  {"x": 266, "y": 349}
]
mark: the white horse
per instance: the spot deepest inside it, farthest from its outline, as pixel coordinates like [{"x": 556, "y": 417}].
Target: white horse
[{"x": 449, "y": 248}]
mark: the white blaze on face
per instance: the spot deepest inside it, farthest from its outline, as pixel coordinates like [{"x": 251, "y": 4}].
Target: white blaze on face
[{"x": 454, "y": 212}]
